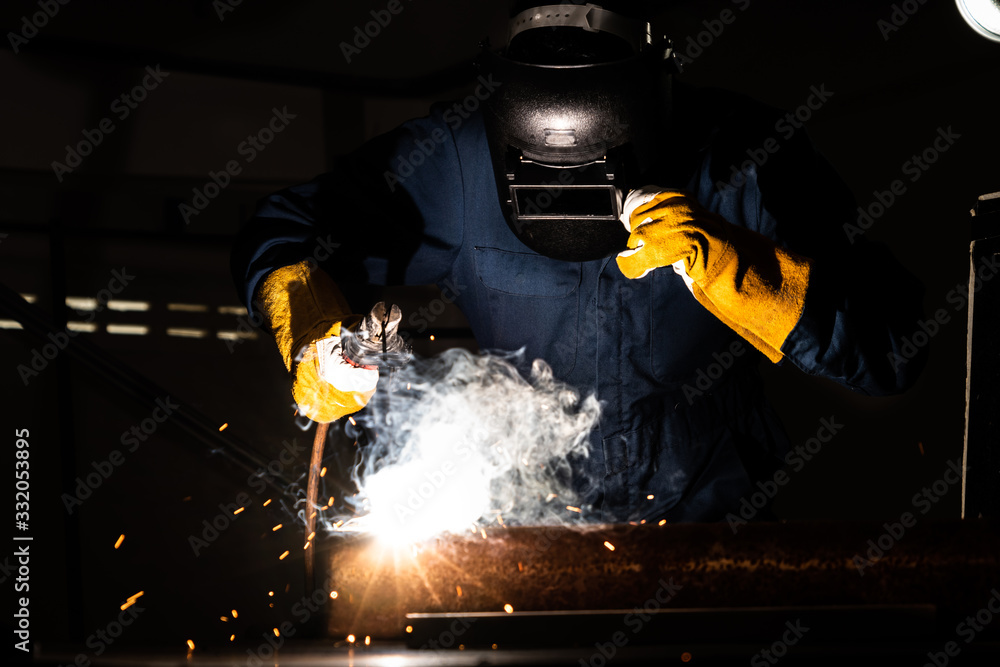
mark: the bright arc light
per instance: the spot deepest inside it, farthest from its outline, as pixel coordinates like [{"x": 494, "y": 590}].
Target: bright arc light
[{"x": 442, "y": 487}]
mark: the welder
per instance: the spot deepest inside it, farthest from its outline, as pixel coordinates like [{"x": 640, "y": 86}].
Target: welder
[{"x": 588, "y": 211}]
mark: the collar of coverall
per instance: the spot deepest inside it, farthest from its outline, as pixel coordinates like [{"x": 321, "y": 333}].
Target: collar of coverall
[{"x": 590, "y": 17}]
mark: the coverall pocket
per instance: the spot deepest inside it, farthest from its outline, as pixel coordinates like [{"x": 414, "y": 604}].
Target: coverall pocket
[
  {"x": 684, "y": 333},
  {"x": 534, "y": 303}
]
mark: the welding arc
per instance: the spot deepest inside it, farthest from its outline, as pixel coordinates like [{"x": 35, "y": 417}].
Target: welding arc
[{"x": 312, "y": 492}]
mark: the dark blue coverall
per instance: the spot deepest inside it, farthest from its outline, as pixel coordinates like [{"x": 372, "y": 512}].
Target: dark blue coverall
[{"x": 684, "y": 415}]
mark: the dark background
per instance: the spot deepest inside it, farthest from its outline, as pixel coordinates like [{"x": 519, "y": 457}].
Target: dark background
[{"x": 120, "y": 209}]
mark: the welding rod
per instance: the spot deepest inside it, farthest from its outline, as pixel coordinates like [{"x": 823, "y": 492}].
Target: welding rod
[{"x": 312, "y": 490}]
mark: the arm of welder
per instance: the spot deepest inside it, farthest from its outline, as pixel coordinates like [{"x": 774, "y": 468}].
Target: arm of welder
[
  {"x": 358, "y": 225},
  {"x": 795, "y": 282},
  {"x": 861, "y": 303}
]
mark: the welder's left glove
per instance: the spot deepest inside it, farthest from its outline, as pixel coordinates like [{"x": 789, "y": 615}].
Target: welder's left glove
[
  {"x": 754, "y": 286},
  {"x": 307, "y": 315}
]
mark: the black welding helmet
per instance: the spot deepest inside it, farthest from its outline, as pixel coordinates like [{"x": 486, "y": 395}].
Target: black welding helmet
[{"x": 582, "y": 100}]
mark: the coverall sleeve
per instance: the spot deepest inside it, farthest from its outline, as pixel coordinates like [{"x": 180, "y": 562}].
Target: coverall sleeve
[
  {"x": 861, "y": 302},
  {"x": 390, "y": 213}
]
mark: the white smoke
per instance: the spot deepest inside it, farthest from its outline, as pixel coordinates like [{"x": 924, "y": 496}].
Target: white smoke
[{"x": 461, "y": 440}]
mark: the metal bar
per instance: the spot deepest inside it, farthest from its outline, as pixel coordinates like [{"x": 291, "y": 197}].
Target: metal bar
[
  {"x": 952, "y": 565},
  {"x": 981, "y": 482},
  {"x": 673, "y": 626}
]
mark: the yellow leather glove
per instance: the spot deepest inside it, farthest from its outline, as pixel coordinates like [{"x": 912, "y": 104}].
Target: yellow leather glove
[
  {"x": 755, "y": 287},
  {"x": 305, "y": 312}
]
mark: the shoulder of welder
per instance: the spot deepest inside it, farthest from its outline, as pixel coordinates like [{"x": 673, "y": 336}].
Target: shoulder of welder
[{"x": 461, "y": 118}]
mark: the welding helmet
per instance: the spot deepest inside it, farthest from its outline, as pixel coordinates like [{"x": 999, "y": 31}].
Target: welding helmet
[{"x": 581, "y": 101}]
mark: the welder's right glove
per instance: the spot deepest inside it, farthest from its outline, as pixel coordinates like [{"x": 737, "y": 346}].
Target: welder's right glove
[
  {"x": 306, "y": 312},
  {"x": 752, "y": 284}
]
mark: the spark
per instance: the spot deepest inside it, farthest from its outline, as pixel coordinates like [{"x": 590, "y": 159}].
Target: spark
[
  {"x": 239, "y": 510},
  {"x": 574, "y": 509},
  {"x": 685, "y": 657},
  {"x": 190, "y": 644},
  {"x": 267, "y": 502},
  {"x": 224, "y": 427},
  {"x": 333, "y": 595},
  {"x": 368, "y": 640},
  {"x": 508, "y": 608},
  {"x": 232, "y": 638},
  {"x": 500, "y": 519},
  {"x": 282, "y": 556},
  {"x": 353, "y": 423},
  {"x": 270, "y": 594},
  {"x": 235, "y": 615},
  {"x": 275, "y": 529},
  {"x": 331, "y": 501},
  {"x": 520, "y": 568},
  {"x": 133, "y": 598},
  {"x": 642, "y": 522},
  {"x": 551, "y": 497},
  {"x": 322, "y": 473},
  {"x": 407, "y": 388},
  {"x": 494, "y": 647},
  {"x": 350, "y": 638},
  {"x": 650, "y": 497},
  {"x": 459, "y": 589},
  {"x": 121, "y": 538},
  {"x": 921, "y": 446},
  {"x": 482, "y": 531},
  {"x": 610, "y": 546},
  {"x": 306, "y": 546},
  {"x": 311, "y": 535},
  {"x": 432, "y": 336},
  {"x": 409, "y": 629},
  {"x": 276, "y": 633},
  {"x": 224, "y": 619},
  {"x": 663, "y": 522}
]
